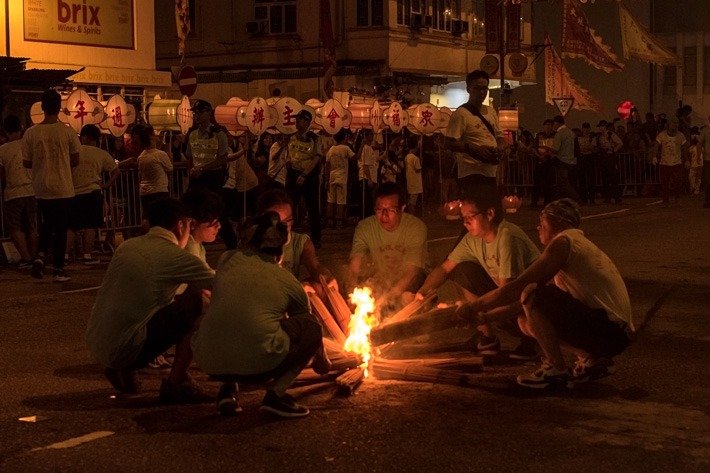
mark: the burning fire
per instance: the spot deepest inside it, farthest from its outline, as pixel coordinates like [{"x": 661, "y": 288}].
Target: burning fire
[{"x": 361, "y": 323}]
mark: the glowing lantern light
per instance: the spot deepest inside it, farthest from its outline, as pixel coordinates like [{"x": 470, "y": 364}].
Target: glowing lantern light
[
  {"x": 333, "y": 116},
  {"x": 361, "y": 324},
  {"x": 119, "y": 115},
  {"x": 624, "y": 109},
  {"x": 258, "y": 116},
  {"x": 170, "y": 114},
  {"x": 423, "y": 118},
  {"x": 508, "y": 119},
  {"x": 444, "y": 118},
  {"x": 511, "y": 203},
  {"x": 361, "y": 115},
  {"x": 226, "y": 115},
  {"x": 81, "y": 110},
  {"x": 36, "y": 113},
  {"x": 286, "y": 110},
  {"x": 376, "y": 116},
  {"x": 395, "y": 117}
]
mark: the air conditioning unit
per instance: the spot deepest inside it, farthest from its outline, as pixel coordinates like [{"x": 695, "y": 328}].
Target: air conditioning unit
[
  {"x": 459, "y": 27},
  {"x": 257, "y": 27},
  {"x": 416, "y": 21}
]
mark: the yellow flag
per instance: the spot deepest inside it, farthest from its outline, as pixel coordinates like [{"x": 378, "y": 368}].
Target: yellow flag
[{"x": 639, "y": 43}]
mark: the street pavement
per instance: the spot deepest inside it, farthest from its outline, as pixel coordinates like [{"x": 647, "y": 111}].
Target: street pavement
[{"x": 651, "y": 415}]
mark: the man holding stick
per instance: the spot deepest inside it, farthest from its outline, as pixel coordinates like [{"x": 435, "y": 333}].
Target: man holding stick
[
  {"x": 492, "y": 253},
  {"x": 586, "y": 309}
]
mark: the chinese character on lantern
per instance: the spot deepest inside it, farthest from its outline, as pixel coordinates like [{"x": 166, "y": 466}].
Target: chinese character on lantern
[
  {"x": 395, "y": 118},
  {"x": 426, "y": 118},
  {"x": 117, "y": 117},
  {"x": 289, "y": 119},
  {"x": 258, "y": 117},
  {"x": 80, "y": 111},
  {"x": 332, "y": 116}
]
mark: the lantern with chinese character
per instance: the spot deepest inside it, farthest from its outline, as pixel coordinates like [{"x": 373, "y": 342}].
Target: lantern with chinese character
[
  {"x": 361, "y": 115},
  {"x": 257, "y": 116},
  {"x": 508, "y": 119},
  {"x": 226, "y": 115},
  {"x": 170, "y": 114},
  {"x": 424, "y": 118},
  {"x": 395, "y": 117},
  {"x": 119, "y": 115},
  {"x": 81, "y": 110},
  {"x": 444, "y": 118},
  {"x": 333, "y": 116},
  {"x": 286, "y": 110}
]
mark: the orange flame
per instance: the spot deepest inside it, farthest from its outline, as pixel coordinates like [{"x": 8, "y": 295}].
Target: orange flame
[{"x": 361, "y": 323}]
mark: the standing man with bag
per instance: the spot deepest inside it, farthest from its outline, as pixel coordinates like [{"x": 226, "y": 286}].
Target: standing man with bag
[{"x": 474, "y": 136}]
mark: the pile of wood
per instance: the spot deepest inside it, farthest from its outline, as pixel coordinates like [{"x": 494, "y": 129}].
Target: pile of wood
[{"x": 454, "y": 368}]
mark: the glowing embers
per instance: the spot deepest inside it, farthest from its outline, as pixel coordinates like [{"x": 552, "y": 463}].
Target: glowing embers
[{"x": 361, "y": 323}]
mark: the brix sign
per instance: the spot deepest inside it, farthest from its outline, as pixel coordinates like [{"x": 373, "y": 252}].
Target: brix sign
[{"x": 78, "y": 13}]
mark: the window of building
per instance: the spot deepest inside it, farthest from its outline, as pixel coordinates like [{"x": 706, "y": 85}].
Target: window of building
[
  {"x": 690, "y": 66},
  {"x": 405, "y": 8},
  {"x": 670, "y": 79},
  {"x": 279, "y": 15},
  {"x": 370, "y": 12},
  {"x": 479, "y": 13},
  {"x": 443, "y": 12}
]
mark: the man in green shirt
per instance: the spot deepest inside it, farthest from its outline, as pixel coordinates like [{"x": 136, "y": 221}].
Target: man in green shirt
[{"x": 491, "y": 254}]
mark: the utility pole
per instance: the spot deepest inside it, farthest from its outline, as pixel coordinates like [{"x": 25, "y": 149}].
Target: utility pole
[{"x": 501, "y": 52}]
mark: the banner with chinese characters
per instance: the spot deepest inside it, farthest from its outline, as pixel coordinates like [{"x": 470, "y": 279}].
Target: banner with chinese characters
[
  {"x": 102, "y": 23},
  {"x": 579, "y": 40},
  {"x": 182, "y": 23},
  {"x": 328, "y": 42},
  {"x": 494, "y": 26},
  {"x": 512, "y": 27},
  {"x": 639, "y": 43},
  {"x": 559, "y": 83}
]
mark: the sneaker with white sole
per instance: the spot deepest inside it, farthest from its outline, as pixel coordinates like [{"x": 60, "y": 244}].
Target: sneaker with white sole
[
  {"x": 282, "y": 406},
  {"x": 586, "y": 369},
  {"x": 546, "y": 376},
  {"x": 488, "y": 345},
  {"x": 60, "y": 275}
]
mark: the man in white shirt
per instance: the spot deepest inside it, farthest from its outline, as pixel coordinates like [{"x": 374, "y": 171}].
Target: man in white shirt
[
  {"x": 586, "y": 310},
  {"x": 368, "y": 160},
  {"x": 137, "y": 317},
  {"x": 475, "y": 137},
  {"x": 673, "y": 146},
  {"x": 20, "y": 205},
  {"x": 565, "y": 159},
  {"x": 51, "y": 150}
]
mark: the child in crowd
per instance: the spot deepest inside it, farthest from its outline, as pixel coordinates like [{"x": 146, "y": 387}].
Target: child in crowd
[
  {"x": 413, "y": 171},
  {"x": 336, "y": 162}
]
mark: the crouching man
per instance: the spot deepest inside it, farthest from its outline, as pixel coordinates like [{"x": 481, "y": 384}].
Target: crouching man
[
  {"x": 137, "y": 316},
  {"x": 259, "y": 328},
  {"x": 586, "y": 310}
]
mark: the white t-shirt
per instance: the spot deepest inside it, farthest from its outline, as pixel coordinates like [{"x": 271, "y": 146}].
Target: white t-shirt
[
  {"x": 591, "y": 277},
  {"x": 368, "y": 160},
  {"x": 467, "y": 127},
  {"x": 671, "y": 148},
  {"x": 18, "y": 177},
  {"x": 87, "y": 174},
  {"x": 413, "y": 173},
  {"x": 277, "y": 163},
  {"x": 338, "y": 157},
  {"x": 49, "y": 147},
  {"x": 240, "y": 176},
  {"x": 153, "y": 167}
]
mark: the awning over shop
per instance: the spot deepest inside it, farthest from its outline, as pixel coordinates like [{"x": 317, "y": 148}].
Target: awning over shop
[{"x": 112, "y": 75}]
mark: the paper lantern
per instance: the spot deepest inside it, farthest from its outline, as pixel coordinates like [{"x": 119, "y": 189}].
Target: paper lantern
[
  {"x": 424, "y": 118},
  {"x": 170, "y": 114},
  {"x": 444, "y": 119},
  {"x": 624, "y": 109},
  {"x": 361, "y": 115},
  {"x": 508, "y": 119},
  {"x": 332, "y": 116},
  {"x": 82, "y": 110},
  {"x": 119, "y": 115},
  {"x": 376, "y": 116},
  {"x": 258, "y": 116},
  {"x": 511, "y": 203},
  {"x": 36, "y": 113},
  {"x": 226, "y": 115},
  {"x": 395, "y": 117},
  {"x": 286, "y": 110}
]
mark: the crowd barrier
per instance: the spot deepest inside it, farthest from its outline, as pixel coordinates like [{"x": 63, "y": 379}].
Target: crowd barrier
[{"x": 123, "y": 209}]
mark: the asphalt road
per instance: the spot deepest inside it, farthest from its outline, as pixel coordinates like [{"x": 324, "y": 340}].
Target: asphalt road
[{"x": 652, "y": 415}]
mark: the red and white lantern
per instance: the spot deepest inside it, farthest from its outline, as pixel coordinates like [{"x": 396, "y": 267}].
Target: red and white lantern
[
  {"x": 286, "y": 110},
  {"x": 226, "y": 115},
  {"x": 81, "y": 110},
  {"x": 119, "y": 115},
  {"x": 170, "y": 114},
  {"x": 424, "y": 118},
  {"x": 395, "y": 117},
  {"x": 332, "y": 116},
  {"x": 258, "y": 117}
]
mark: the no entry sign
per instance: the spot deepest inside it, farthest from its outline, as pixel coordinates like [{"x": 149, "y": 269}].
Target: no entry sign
[{"x": 187, "y": 80}]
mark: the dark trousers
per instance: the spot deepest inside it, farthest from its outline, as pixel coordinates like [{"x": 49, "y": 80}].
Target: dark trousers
[
  {"x": 309, "y": 191},
  {"x": 586, "y": 178},
  {"x": 54, "y": 222},
  {"x": 212, "y": 179},
  {"x": 609, "y": 164},
  {"x": 669, "y": 176},
  {"x": 566, "y": 180},
  {"x": 543, "y": 182}
]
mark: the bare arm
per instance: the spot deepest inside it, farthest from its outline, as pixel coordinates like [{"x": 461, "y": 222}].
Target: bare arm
[
  {"x": 310, "y": 260},
  {"x": 437, "y": 277}
]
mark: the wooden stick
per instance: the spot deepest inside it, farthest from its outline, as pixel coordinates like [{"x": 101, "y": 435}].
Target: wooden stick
[
  {"x": 324, "y": 315},
  {"x": 428, "y": 322},
  {"x": 341, "y": 310},
  {"x": 350, "y": 380},
  {"x": 340, "y": 359},
  {"x": 387, "y": 369},
  {"x": 399, "y": 350},
  {"x": 410, "y": 309}
]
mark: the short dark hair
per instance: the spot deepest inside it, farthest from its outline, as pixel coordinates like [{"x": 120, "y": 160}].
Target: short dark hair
[
  {"x": 485, "y": 197},
  {"x": 473, "y": 76},
  {"x": 341, "y": 135},
  {"x": 51, "y": 102},
  {"x": 586, "y": 125},
  {"x": 205, "y": 205},
  {"x": 269, "y": 234},
  {"x": 167, "y": 212},
  {"x": 413, "y": 142},
  {"x": 11, "y": 124},
  {"x": 559, "y": 119},
  {"x": 145, "y": 134},
  {"x": 91, "y": 131},
  {"x": 390, "y": 188},
  {"x": 272, "y": 198}
]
